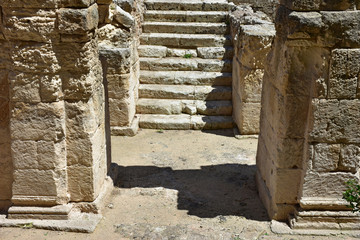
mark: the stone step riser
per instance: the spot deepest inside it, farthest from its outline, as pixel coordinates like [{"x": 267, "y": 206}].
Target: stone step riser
[
  {"x": 170, "y": 107},
  {"x": 185, "y": 92},
  {"x": 184, "y": 40},
  {"x": 178, "y": 64},
  {"x": 155, "y": 27},
  {"x": 185, "y": 122},
  {"x": 187, "y": 6},
  {"x": 184, "y": 16},
  {"x": 186, "y": 78},
  {"x": 152, "y": 51}
]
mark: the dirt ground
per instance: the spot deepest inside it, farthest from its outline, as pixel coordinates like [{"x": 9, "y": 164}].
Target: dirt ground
[{"x": 179, "y": 185}]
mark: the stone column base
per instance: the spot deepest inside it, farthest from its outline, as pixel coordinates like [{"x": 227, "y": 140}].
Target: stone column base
[
  {"x": 75, "y": 217},
  {"x": 127, "y": 131}
]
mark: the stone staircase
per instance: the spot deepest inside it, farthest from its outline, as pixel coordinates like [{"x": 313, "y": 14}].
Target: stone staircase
[{"x": 185, "y": 60}]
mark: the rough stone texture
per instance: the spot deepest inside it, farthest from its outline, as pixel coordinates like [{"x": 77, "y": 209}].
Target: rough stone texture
[
  {"x": 119, "y": 41},
  {"x": 252, "y": 35},
  {"x": 51, "y": 104},
  {"x": 310, "y": 114},
  {"x": 266, "y": 6}
]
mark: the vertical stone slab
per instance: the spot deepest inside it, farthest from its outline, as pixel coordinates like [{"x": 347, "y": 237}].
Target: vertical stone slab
[{"x": 309, "y": 133}]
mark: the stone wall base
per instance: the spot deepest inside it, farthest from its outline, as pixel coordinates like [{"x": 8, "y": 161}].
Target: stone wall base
[
  {"x": 127, "y": 131},
  {"x": 75, "y": 217}
]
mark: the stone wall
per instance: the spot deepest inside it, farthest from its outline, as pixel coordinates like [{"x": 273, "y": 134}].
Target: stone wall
[
  {"x": 52, "y": 103},
  {"x": 310, "y": 134},
  {"x": 266, "y": 6},
  {"x": 252, "y": 34},
  {"x": 120, "y": 27}
]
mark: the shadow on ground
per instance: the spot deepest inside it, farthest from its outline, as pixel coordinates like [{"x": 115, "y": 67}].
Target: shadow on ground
[{"x": 216, "y": 190}]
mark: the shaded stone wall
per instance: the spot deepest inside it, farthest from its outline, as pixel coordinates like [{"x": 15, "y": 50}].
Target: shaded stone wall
[
  {"x": 310, "y": 134},
  {"x": 252, "y": 34},
  {"x": 120, "y": 27},
  {"x": 52, "y": 102},
  {"x": 266, "y": 6}
]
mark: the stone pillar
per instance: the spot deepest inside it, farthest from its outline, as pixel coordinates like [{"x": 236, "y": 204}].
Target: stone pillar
[
  {"x": 310, "y": 134},
  {"x": 56, "y": 102},
  {"x": 252, "y": 35}
]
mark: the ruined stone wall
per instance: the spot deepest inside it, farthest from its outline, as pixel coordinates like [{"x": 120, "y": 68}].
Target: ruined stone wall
[
  {"x": 310, "y": 134},
  {"x": 252, "y": 35},
  {"x": 266, "y": 6},
  {"x": 52, "y": 103},
  {"x": 120, "y": 27}
]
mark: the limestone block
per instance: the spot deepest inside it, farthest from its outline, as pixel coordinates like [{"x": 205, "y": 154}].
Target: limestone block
[
  {"x": 121, "y": 111},
  {"x": 51, "y": 88},
  {"x": 121, "y": 86},
  {"x": 313, "y": 5},
  {"x": 77, "y": 57},
  {"x": 30, "y": 24},
  {"x": 33, "y": 4},
  {"x": 4, "y": 120},
  {"x": 335, "y": 121},
  {"x": 250, "y": 84},
  {"x": 344, "y": 70},
  {"x": 41, "y": 155},
  {"x": 104, "y": 13},
  {"x": 42, "y": 121},
  {"x": 152, "y": 51},
  {"x": 81, "y": 183},
  {"x": 78, "y": 21},
  {"x": 77, "y": 3},
  {"x": 287, "y": 185},
  {"x": 326, "y": 157},
  {"x": 304, "y": 24},
  {"x": 123, "y": 18},
  {"x": 116, "y": 60},
  {"x": 81, "y": 86},
  {"x": 173, "y": 52},
  {"x": 31, "y": 57},
  {"x": 24, "y": 87},
  {"x": 110, "y": 35},
  {"x": 126, "y": 5},
  {"x": 326, "y": 185},
  {"x": 249, "y": 114},
  {"x": 254, "y": 44},
  {"x": 350, "y": 158},
  {"x": 40, "y": 187}
]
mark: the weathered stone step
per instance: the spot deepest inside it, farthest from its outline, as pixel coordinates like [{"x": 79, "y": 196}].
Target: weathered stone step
[
  {"x": 153, "y": 51},
  {"x": 186, "y": 78},
  {"x": 185, "y": 92},
  {"x": 185, "y": 16},
  {"x": 180, "y": 27},
  {"x": 183, "y": 64},
  {"x": 185, "y": 122},
  {"x": 189, "y": 5},
  {"x": 184, "y": 40},
  {"x": 192, "y": 107}
]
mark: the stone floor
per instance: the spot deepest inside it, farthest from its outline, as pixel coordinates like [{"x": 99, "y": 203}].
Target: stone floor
[{"x": 179, "y": 185}]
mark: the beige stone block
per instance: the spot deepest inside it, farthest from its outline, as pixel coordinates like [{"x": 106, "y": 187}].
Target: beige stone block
[
  {"x": 289, "y": 152},
  {"x": 343, "y": 88},
  {"x": 34, "y": 4},
  {"x": 81, "y": 183},
  {"x": 335, "y": 121},
  {"x": 78, "y": 21},
  {"x": 31, "y": 57},
  {"x": 345, "y": 63},
  {"x": 116, "y": 60},
  {"x": 24, "y": 87},
  {"x": 316, "y": 5},
  {"x": 76, "y": 3},
  {"x": 249, "y": 116},
  {"x": 121, "y": 111},
  {"x": 51, "y": 88},
  {"x": 326, "y": 157},
  {"x": 287, "y": 185},
  {"x": 120, "y": 86},
  {"x": 41, "y": 185},
  {"x": 251, "y": 84},
  {"x": 350, "y": 158},
  {"x": 326, "y": 185},
  {"x": 30, "y": 24},
  {"x": 112, "y": 36},
  {"x": 43, "y": 121}
]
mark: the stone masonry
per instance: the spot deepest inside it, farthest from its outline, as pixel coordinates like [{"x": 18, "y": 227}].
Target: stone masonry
[
  {"x": 52, "y": 105},
  {"x": 310, "y": 135}
]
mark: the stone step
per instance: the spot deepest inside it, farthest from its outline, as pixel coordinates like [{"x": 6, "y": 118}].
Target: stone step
[
  {"x": 185, "y": 122},
  {"x": 186, "y": 78},
  {"x": 153, "y": 51},
  {"x": 187, "y": 92},
  {"x": 188, "y": 5},
  {"x": 189, "y": 28},
  {"x": 178, "y": 40},
  {"x": 184, "y": 64},
  {"x": 185, "y": 16},
  {"x": 192, "y": 107}
]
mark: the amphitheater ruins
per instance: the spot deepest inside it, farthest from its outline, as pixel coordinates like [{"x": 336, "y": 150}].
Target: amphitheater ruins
[{"x": 74, "y": 72}]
